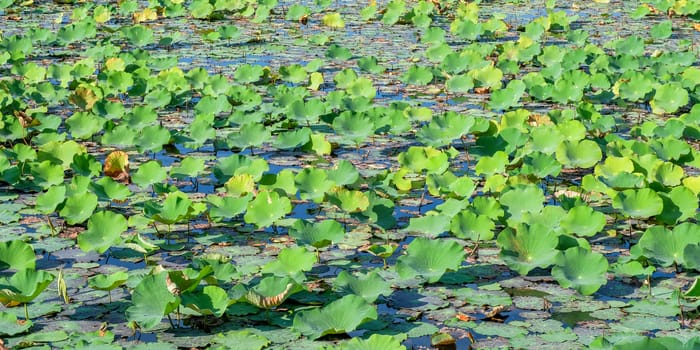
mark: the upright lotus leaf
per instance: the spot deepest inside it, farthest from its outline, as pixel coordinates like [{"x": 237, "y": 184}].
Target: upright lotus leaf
[
  {"x": 16, "y": 255},
  {"x": 210, "y": 300},
  {"x": 23, "y": 286},
  {"x": 618, "y": 172},
  {"x": 668, "y": 174},
  {"x": 319, "y": 234},
  {"x": 368, "y": 286},
  {"x": 104, "y": 230},
  {"x": 151, "y": 301},
  {"x": 189, "y": 167},
  {"x": 350, "y": 201},
  {"x": 174, "y": 208},
  {"x": 508, "y": 97},
  {"x": 266, "y": 208},
  {"x": 522, "y": 199},
  {"x": 249, "y": 135},
  {"x": 371, "y": 65},
  {"x": 333, "y": 20},
  {"x": 291, "y": 261},
  {"x": 152, "y": 138},
  {"x": 339, "y": 317},
  {"x": 666, "y": 247},
  {"x": 272, "y": 291},
  {"x": 638, "y": 204},
  {"x": 109, "y": 190},
  {"x": 239, "y": 164},
  {"x": 583, "y": 221},
  {"x": 78, "y": 207},
  {"x": 528, "y": 247},
  {"x": 430, "y": 259},
  {"x": 149, "y": 173},
  {"x": 579, "y": 154},
  {"x": 679, "y": 204},
  {"x": 344, "y": 173},
  {"x": 468, "y": 225},
  {"x": 353, "y": 128},
  {"x": 313, "y": 184},
  {"x": 187, "y": 279},
  {"x": 489, "y": 165},
  {"x": 46, "y": 174},
  {"x": 429, "y": 159},
  {"x": 240, "y": 185},
  {"x": 668, "y": 98},
  {"x": 417, "y": 75},
  {"x": 108, "y": 282},
  {"x": 581, "y": 269}
]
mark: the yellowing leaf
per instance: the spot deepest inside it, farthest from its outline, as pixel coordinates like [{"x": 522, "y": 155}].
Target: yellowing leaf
[
  {"x": 117, "y": 166},
  {"x": 146, "y": 15}
]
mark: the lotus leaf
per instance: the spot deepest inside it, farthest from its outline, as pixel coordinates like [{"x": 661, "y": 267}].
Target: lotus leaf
[
  {"x": 266, "y": 208},
  {"x": 272, "y": 291},
  {"x": 418, "y": 159},
  {"x": 335, "y": 317},
  {"x": 668, "y": 98},
  {"x": 641, "y": 203},
  {"x": 583, "y": 221},
  {"x": 210, "y": 300},
  {"x": 152, "y": 300},
  {"x": 10, "y": 325},
  {"x": 522, "y": 199},
  {"x": 581, "y": 269},
  {"x": 291, "y": 262},
  {"x": 313, "y": 184},
  {"x": 667, "y": 247},
  {"x": 104, "y": 230},
  {"x": 23, "y": 286},
  {"x": 679, "y": 204},
  {"x": 374, "y": 342},
  {"x": 16, "y": 255},
  {"x": 108, "y": 282},
  {"x": 528, "y": 247},
  {"x": 79, "y": 207},
  {"x": 368, "y": 286},
  {"x": 240, "y": 340},
  {"x": 318, "y": 235},
  {"x": 349, "y": 201},
  {"x": 430, "y": 259}
]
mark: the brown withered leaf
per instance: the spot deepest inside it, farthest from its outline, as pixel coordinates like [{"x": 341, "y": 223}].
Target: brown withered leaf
[{"x": 117, "y": 166}]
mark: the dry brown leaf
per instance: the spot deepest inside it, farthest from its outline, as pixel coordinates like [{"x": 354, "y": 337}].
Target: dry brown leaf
[{"x": 117, "y": 166}]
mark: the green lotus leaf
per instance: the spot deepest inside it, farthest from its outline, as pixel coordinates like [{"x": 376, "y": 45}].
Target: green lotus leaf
[
  {"x": 246, "y": 73},
  {"x": 151, "y": 301},
  {"x": 374, "y": 342},
  {"x": 641, "y": 203},
  {"x": 23, "y": 286},
  {"x": 292, "y": 139},
  {"x": 108, "y": 282},
  {"x": 138, "y": 35},
  {"x": 188, "y": 279},
  {"x": 526, "y": 248},
  {"x": 522, "y": 199},
  {"x": 10, "y": 325},
  {"x": 350, "y": 201},
  {"x": 459, "y": 83},
  {"x": 240, "y": 185},
  {"x": 47, "y": 174},
  {"x": 110, "y": 190},
  {"x": 581, "y": 269},
  {"x": 508, "y": 97},
  {"x": 661, "y": 30},
  {"x": 47, "y": 202},
  {"x": 189, "y": 167},
  {"x": 340, "y": 316},
  {"x": 583, "y": 221},
  {"x": 210, "y": 300},
  {"x": 266, "y": 208},
  {"x": 417, "y": 75},
  {"x": 152, "y": 138},
  {"x": 83, "y": 125},
  {"x": 240, "y": 340},
  {"x": 353, "y": 127},
  {"x": 296, "y": 12},
  {"x": 418, "y": 159},
  {"x": 333, "y": 20},
  {"x": 494, "y": 164},
  {"x": 293, "y": 73},
  {"x": 467, "y": 225},
  {"x": 541, "y": 165},
  {"x": 78, "y": 207},
  {"x": 17, "y": 255},
  {"x": 668, "y": 174},
  {"x": 86, "y": 165},
  {"x": 666, "y": 247},
  {"x": 250, "y": 135},
  {"x": 431, "y": 225},
  {"x": 272, "y": 291},
  {"x": 679, "y": 204},
  {"x": 290, "y": 262},
  {"x": 430, "y": 259},
  {"x": 175, "y": 208},
  {"x": 239, "y": 164},
  {"x": 668, "y": 98},
  {"x": 338, "y": 52},
  {"x": 149, "y": 173},
  {"x": 104, "y": 230},
  {"x": 368, "y": 286},
  {"x": 313, "y": 184},
  {"x": 487, "y": 77},
  {"x": 371, "y": 65},
  {"x": 580, "y": 154},
  {"x": 60, "y": 152},
  {"x": 317, "y": 235}
]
